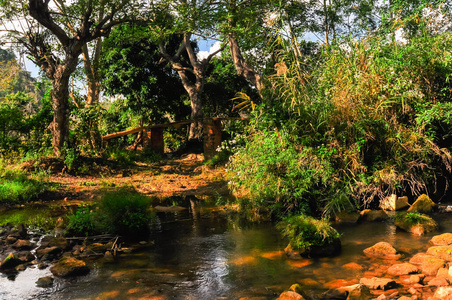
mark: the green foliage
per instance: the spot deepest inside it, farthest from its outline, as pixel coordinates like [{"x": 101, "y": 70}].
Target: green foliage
[
  {"x": 125, "y": 212},
  {"x": 273, "y": 173},
  {"x": 305, "y": 231},
  {"x": 412, "y": 218},
  {"x": 82, "y": 222},
  {"x": 18, "y": 187}
]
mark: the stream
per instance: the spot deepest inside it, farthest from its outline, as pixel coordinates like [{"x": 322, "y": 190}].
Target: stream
[{"x": 210, "y": 255}]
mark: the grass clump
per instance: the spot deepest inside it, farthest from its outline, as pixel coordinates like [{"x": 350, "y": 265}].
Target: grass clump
[
  {"x": 412, "y": 218},
  {"x": 18, "y": 187},
  {"x": 305, "y": 232},
  {"x": 124, "y": 212}
]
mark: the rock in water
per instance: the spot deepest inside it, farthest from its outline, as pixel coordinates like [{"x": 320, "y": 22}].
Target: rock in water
[
  {"x": 45, "y": 282},
  {"x": 423, "y": 204},
  {"x": 69, "y": 266}
]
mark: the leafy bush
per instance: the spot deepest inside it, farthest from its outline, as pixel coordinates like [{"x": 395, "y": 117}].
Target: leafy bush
[
  {"x": 125, "y": 212},
  {"x": 82, "y": 222},
  {"x": 355, "y": 124},
  {"x": 305, "y": 232},
  {"x": 271, "y": 171}
]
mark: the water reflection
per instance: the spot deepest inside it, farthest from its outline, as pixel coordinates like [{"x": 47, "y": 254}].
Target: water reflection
[{"x": 200, "y": 254}]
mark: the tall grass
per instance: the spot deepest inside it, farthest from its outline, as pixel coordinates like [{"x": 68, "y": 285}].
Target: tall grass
[{"x": 18, "y": 187}]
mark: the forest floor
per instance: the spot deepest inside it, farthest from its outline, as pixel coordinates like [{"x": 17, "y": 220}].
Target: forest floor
[{"x": 183, "y": 176}]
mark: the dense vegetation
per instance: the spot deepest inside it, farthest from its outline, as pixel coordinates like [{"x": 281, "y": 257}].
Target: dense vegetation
[{"x": 336, "y": 123}]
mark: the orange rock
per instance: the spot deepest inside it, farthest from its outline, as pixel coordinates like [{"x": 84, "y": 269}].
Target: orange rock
[
  {"x": 353, "y": 266},
  {"x": 402, "y": 269},
  {"x": 442, "y": 239},
  {"x": 382, "y": 250}
]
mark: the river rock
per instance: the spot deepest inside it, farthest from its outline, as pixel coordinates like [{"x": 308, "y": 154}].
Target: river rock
[
  {"x": 69, "y": 266},
  {"x": 347, "y": 217},
  {"x": 416, "y": 278},
  {"x": 439, "y": 281},
  {"x": 326, "y": 250},
  {"x": 22, "y": 231},
  {"x": 423, "y": 204},
  {"x": 10, "y": 262},
  {"x": 10, "y": 240},
  {"x": 45, "y": 282},
  {"x": 402, "y": 269},
  {"x": 394, "y": 203},
  {"x": 22, "y": 245},
  {"x": 402, "y": 221},
  {"x": 95, "y": 248},
  {"x": 442, "y": 239},
  {"x": 368, "y": 215},
  {"x": 26, "y": 256},
  {"x": 353, "y": 266},
  {"x": 357, "y": 292},
  {"x": 290, "y": 295},
  {"x": 382, "y": 250},
  {"x": 59, "y": 242},
  {"x": 443, "y": 293},
  {"x": 334, "y": 294},
  {"x": 443, "y": 252},
  {"x": 377, "y": 283},
  {"x": 48, "y": 253}
]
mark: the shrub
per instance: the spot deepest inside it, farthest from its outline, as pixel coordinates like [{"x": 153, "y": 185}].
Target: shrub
[
  {"x": 82, "y": 222},
  {"x": 125, "y": 212},
  {"x": 305, "y": 232},
  {"x": 272, "y": 172}
]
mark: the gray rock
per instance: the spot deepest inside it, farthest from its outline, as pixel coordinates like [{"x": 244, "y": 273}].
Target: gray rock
[{"x": 45, "y": 282}]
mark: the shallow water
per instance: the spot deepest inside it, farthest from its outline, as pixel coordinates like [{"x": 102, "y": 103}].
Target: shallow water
[{"x": 206, "y": 255}]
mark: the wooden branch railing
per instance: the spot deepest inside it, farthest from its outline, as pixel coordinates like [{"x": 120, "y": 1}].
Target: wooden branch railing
[{"x": 165, "y": 125}]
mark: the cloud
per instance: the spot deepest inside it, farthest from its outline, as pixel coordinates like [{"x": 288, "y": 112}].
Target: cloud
[{"x": 213, "y": 48}]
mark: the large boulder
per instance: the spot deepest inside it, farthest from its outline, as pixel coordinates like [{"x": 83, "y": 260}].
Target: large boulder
[
  {"x": 416, "y": 223},
  {"x": 347, "y": 217},
  {"x": 382, "y": 250},
  {"x": 394, "y": 203},
  {"x": 423, "y": 204},
  {"x": 68, "y": 267},
  {"x": 368, "y": 215},
  {"x": 442, "y": 239}
]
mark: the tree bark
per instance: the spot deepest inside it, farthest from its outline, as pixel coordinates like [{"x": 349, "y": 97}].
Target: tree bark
[
  {"x": 243, "y": 69},
  {"x": 60, "y": 104}
]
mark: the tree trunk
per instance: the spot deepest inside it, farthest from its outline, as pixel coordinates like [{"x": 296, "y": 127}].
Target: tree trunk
[
  {"x": 197, "y": 112},
  {"x": 60, "y": 104},
  {"x": 243, "y": 69}
]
